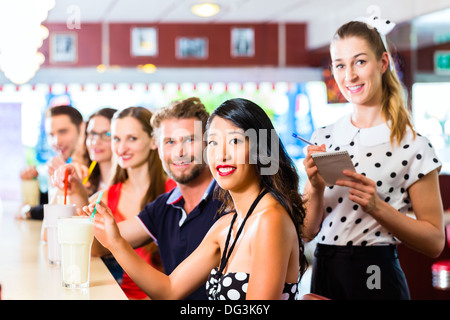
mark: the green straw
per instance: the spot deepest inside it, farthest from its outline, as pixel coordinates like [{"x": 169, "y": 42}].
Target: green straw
[{"x": 95, "y": 208}]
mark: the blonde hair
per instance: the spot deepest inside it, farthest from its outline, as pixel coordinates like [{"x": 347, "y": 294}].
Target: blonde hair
[
  {"x": 181, "y": 109},
  {"x": 393, "y": 102}
]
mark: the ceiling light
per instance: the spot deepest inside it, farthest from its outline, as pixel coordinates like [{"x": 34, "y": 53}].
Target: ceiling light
[
  {"x": 21, "y": 36},
  {"x": 205, "y": 9}
]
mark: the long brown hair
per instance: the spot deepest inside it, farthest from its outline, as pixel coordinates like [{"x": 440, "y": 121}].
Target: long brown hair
[
  {"x": 283, "y": 184},
  {"x": 155, "y": 169},
  {"x": 393, "y": 98},
  {"x": 94, "y": 179}
]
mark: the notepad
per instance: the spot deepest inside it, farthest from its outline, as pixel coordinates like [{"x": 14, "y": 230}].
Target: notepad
[{"x": 331, "y": 164}]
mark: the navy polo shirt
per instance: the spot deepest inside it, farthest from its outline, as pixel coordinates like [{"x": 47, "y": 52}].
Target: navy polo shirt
[{"x": 178, "y": 234}]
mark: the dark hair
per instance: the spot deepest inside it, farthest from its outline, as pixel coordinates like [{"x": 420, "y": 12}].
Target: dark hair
[
  {"x": 155, "y": 169},
  {"x": 283, "y": 185},
  {"x": 94, "y": 179},
  {"x": 75, "y": 116}
]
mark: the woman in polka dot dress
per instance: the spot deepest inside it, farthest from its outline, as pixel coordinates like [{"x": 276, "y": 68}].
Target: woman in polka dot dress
[
  {"x": 255, "y": 250},
  {"x": 359, "y": 222}
]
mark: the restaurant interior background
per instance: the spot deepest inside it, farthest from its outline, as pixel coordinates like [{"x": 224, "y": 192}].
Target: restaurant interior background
[{"x": 121, "y": 53}]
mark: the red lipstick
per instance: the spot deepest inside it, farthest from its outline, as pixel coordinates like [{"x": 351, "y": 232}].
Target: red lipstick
[{"x": 225, "y": 170}]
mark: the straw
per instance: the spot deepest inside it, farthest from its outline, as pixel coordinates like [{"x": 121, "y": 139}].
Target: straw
[
  {"x": 95, "y": 207},
  {"x": 91, "y": 168},
  {"x": 66, "y": 179}
]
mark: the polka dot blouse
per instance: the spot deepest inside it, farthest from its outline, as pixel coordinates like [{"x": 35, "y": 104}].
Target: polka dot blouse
[{"x": 393, "y": 168}]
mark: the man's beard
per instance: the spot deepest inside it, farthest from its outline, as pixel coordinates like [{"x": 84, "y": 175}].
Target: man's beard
[{"x": 188, "y": 176}]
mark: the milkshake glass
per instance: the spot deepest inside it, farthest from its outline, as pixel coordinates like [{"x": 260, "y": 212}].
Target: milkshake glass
[
  {"x": 75, "y": 236},
  {"x": 52, "y": 212}
]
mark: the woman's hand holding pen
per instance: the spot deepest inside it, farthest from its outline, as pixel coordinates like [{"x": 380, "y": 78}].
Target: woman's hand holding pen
[
  {"x": 314, "y": 177},
  {"x": 311, "y": 170},
  {"x": 314, "y": 191}
]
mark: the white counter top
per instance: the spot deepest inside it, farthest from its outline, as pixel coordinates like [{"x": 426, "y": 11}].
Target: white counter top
[{"x": 25, "y": 273}]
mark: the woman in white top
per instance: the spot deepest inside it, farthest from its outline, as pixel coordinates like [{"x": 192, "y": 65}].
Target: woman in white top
[{"x": 359, "y": 222}]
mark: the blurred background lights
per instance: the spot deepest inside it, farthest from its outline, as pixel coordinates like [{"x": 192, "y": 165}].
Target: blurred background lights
[
  {"x": 147, "y": 68},
  {"x": 21, "y": 36}
]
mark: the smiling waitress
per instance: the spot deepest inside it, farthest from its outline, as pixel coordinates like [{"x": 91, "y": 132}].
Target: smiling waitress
[{"x": 358, "y": 223}]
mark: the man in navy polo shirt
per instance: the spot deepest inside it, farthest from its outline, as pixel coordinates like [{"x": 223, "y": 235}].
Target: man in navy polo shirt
[
  {"x": 178, "y": 220},
  {"x": 176, "y": 232}
]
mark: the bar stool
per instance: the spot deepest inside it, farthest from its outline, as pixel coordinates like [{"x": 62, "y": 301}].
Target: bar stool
[{"x": 441, "y": 270}]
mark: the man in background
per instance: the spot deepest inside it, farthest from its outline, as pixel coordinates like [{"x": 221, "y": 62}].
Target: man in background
[{"x": 64, "y": 127}]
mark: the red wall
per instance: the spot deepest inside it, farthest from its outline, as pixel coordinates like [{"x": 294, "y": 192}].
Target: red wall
[
  {"x": 296, "y": 51},
  {"x": 219, "y": 51},
  {"x": 89, "y": 38},
  {"x": 425, "y": 61}
]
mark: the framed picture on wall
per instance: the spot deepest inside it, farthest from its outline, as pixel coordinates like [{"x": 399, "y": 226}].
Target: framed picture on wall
[
  {"x": 63, "y": 47},
  {"x": 192, "y": 48},
  {"x": 242, "y": 42},
  {"x": 144, "y": 42}
]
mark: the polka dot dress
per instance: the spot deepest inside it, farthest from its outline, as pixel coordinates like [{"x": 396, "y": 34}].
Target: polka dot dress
[
  {"x": 394, "y": 168},
  {"x": 233, "y": 286}
]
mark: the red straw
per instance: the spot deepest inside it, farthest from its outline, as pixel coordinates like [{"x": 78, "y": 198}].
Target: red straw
[{"x": 66, "y": 178}]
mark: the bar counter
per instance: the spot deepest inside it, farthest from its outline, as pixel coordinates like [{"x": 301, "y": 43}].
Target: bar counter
[{"x": 25, "y": 273}]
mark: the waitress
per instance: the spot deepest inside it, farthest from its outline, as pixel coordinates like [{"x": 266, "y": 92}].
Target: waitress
[{"x": 359, "y": 222}]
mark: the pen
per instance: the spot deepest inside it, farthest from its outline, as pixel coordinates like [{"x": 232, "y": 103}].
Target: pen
[{"x": 301, "y": 139}]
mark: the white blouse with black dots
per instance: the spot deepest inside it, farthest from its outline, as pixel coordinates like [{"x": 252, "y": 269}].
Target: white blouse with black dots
[{"x": 393, "y": 168}]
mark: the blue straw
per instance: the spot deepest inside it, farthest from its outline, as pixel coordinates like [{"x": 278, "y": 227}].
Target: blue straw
[{"x": 95, "y": 208}]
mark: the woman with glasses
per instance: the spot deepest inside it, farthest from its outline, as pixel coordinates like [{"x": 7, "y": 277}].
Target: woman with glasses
[
  {"x": 137, "y": 179},
  {"x": 98, "y": 148}
]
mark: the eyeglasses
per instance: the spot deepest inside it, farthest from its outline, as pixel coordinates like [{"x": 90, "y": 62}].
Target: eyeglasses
[{"x": 104, "y": 136}]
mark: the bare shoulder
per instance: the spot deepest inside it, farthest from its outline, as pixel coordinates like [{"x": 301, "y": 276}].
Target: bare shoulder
[
  {"x": 273, "y": 216},
  {"x": 273, "y": 228},
  {"x": 220, "y": 227},
  {"x": 224, "y": 220}
]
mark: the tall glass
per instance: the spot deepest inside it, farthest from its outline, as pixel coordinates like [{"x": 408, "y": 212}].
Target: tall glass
[
  {"x": 75, "y": 236},
  {"x": 30, "y": 192},
  {"x": 52, "y": 212}
]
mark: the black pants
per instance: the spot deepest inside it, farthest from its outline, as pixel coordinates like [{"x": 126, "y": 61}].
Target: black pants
[{"x": 354, "y": 272}]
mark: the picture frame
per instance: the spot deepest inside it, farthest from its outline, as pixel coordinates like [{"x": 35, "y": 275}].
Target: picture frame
[
  {"x": 242, "y": 42},
  {"x": 192, "y": 48},
  {"x": 63, "y": 47},
  {"x": 144, "y": 42}
]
